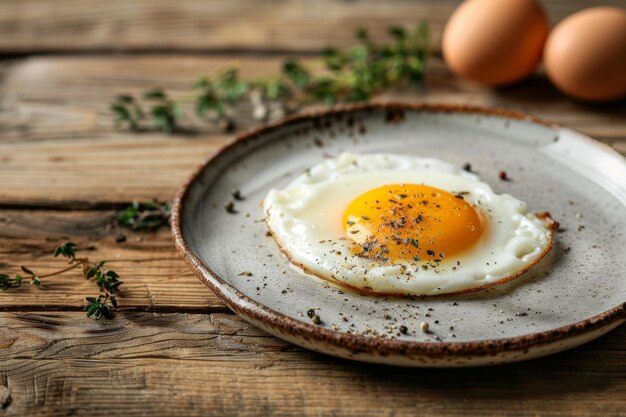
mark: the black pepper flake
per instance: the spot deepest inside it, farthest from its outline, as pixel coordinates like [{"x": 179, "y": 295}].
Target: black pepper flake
[
  {"x": 310, "y": 313},
  {"x": 430, "y": 252},
  {"x": 230, "y": 208},
  {"x": 316, "y": 319},
  {"x": 365, "y": 218},
  {"x": 467, "y": 167},
  {"x": 237, "y": 195},
  {"x": 403, "y": 329},
  {"x": 246, "y": 274}
]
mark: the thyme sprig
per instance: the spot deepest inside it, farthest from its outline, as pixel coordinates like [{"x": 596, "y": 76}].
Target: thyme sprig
[
  {"x": 147, "y": 216},
  {"x": 352, "y": 74},
  {"x": 6, "y": 282},
  {"x": 107, "y": 280}
]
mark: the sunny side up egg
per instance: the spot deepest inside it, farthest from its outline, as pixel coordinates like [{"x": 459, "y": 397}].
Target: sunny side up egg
[{"x": 399, "y": 225}]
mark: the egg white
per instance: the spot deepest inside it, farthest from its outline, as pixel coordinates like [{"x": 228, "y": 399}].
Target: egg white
[{"x": 305, "y": 218}]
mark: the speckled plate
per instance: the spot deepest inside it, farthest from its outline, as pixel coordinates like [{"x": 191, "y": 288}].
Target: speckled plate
[{"x": 575, "y": 294}]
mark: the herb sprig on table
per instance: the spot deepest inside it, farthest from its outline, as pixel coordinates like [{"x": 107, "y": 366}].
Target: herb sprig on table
[
  {"x": 350, "y": 75},
  {"x": 147, "y": 216},
  {"x": 106, "y": 279}
]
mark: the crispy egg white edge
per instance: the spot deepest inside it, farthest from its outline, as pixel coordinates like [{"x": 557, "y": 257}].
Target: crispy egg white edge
[{"x": 515, "y": 240}]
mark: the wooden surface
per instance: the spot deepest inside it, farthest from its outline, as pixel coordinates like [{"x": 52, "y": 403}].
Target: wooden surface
[
  {"x": 174, "y": 348},
  {"x": 222, "y": 25}
]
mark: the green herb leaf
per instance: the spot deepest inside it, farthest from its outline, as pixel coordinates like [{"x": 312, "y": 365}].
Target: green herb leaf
[
  {"x": 145, "y": 216},
  {"x": 397, "y": 32},
  {"x": 154, "y": 95},
  {"x": 68, "y": 250},
  {"x": 6, "y": 282},
  {"x": 127, "y": 111},
  {"x": 231, "y": 88},
  {"x": 124, "y": 98},
  {"x": 99, "y": 307},
  {"x": 362, "y": 34},
  {"x": 165, "y": 116},
  {"x": 297, "y": 73}
]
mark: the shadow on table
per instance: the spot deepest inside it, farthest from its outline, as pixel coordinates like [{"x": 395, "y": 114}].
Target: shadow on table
[
  {"x": 539, "y": 90},
  {"x": 594, "y": 367}
]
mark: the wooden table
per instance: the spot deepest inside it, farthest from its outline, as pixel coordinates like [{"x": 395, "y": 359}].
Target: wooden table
[{"x": 174, "y": 348}]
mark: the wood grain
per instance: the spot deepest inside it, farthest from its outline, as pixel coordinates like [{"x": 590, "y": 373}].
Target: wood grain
[
  {"x": 28, "y": 26},
  {"x": 58, "y": 145},
  {"x": 155, "y": 277},
  {"x": 87, "y": 174},
  {"x": 197, "y": 364}
]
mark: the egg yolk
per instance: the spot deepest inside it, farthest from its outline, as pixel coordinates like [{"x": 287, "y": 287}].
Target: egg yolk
[{"x": 411, "y": 222}]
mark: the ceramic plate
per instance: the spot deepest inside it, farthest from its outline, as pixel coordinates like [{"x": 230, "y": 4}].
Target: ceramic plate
[{"x": 575, "y": 294}]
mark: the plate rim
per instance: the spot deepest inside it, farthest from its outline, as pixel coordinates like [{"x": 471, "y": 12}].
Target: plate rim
[{"x": 247, "y": 307}]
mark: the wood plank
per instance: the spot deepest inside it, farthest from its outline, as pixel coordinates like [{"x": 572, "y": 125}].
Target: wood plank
[
  {"x": 133, "y": 335},
  {"x": 58, "y": 145},
  {"x": 193, "y": 25},
  {"x": 83, "y": 174},
  {"x": 179, "y": 364},
  {"x": 155, "y": 277}
]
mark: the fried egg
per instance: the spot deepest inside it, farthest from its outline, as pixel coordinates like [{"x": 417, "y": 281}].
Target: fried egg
[{"x": 400, "y": 225}]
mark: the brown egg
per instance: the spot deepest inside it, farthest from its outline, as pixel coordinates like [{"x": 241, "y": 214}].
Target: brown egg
[
  {"x": 585, "y": 55},
  {"x": 495, "y": 42}
]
